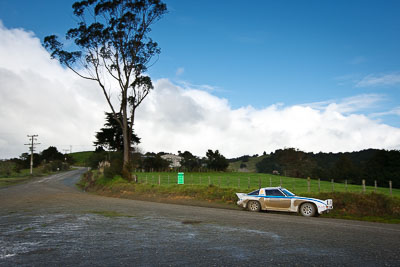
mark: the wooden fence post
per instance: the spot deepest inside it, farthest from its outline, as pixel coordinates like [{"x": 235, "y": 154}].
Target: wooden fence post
[
  {"x": 159, "y": 179},
  {"x": 209, "y": 180},
  {"x": 308, "y": 184},
  {"x": 219, "y": 181},
  {"x": 200, "y": 179},
  {"x": 390, "y": 188},
  {"x": 333, "y": 185},
  {"x": 280, "y": 181},
  {"x": 270, "y": 182},
  {"x": 375, "y": 186},
  {"x": 345, "y": 184},
  {"x": 146, "y": 179},
  {"x": 319, "y": 185},
  {"x": 363, "y": 186},
  {"x": 168, "y": 178},
  {"x": 239, "y": 182},
  {"x": 248, "y": 182}
]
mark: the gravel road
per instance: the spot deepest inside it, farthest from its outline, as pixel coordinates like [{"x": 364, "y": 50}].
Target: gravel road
[{"x": 49, "y": 222}]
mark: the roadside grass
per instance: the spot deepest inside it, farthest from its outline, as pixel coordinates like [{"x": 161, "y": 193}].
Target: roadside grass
[
  {"x": 19, "y": 177},
  {"x": 247, "y": 182},
  {"x": 23, "y": 176},
  {"x": 375, "y": 207},
  {"x": 12, "y": 181}
]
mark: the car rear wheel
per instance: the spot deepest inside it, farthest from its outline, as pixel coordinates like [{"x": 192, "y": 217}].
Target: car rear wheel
[
  {"x": 253, "y": 205},
  {"x": 308, "y": 210}
]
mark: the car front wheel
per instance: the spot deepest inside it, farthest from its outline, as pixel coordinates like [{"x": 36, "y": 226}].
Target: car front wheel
[
  {"x": 253, "y": 205},
  {"x": 308, "y": 210}
]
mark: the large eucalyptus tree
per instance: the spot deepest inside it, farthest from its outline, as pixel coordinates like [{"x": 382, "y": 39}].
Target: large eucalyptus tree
[{"x": 114, "y": 50}]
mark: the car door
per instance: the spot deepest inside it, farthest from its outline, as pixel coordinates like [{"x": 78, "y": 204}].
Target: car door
[{"x": 276, "y": 200}]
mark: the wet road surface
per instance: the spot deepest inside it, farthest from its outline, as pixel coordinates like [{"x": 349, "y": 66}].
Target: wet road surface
[{"x": 50, "y": 222}]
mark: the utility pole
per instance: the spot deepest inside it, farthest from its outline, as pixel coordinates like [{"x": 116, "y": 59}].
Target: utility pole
[
  {"x": 65, "y": 154},
  {"x": 32, "y": 147}
]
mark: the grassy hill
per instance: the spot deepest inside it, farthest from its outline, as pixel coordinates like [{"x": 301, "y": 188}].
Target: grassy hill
[
  {"x": 250, "y": 164},
  {"x": 81, "y": 158}
]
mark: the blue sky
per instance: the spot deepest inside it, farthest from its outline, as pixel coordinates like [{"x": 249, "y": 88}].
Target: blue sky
[{"x": 260, "y": 53}]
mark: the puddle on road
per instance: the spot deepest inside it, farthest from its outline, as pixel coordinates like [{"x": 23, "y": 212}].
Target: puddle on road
[{"x": 67, "y": 234}]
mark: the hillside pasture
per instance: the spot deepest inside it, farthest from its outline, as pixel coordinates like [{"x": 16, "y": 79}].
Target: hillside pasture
[{"x": 246, "y": 182}]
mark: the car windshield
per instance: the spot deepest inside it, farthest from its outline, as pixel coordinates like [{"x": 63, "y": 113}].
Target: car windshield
[
  {"x": 287, "y": 192},
  {"x": 254, "y": 193}
]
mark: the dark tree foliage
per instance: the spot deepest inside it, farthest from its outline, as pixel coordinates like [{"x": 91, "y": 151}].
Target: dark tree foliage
[
  {"x": 154, "y": 162},
  {"x": 244, "y": 158},
  {"x": 114, "y": 50},
  {"x": 25, "y": 160},
  {"x": 216, "y": 161},
  {"x": 384, "y": 166},
  {"x": 111, "y": 137},
  {"x": 370, "y": 165},
  {"x": 189, "y": 161},
  {"x": 50, "y": 154}
]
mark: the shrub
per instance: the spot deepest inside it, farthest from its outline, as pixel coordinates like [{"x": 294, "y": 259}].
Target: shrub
[{"x": 114, "y": 169}]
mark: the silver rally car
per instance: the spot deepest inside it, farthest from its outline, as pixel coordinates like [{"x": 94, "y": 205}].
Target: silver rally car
[{"x": 281, "y": 199}]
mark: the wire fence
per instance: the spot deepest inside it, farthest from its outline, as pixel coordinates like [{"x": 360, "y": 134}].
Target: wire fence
[{"x": 250, "y": 181}]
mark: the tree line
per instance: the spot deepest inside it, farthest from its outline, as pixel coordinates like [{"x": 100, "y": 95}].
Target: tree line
[
  {"x": 49, "y": 159},
  {"x": 155, "y": 162},
  {"x": 369, "y": 165}
]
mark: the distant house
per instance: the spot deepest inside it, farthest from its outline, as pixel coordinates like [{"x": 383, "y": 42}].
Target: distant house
[{"x": 175, "y": 161}]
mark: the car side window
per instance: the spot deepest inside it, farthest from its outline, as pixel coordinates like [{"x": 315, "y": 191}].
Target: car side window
[
  {"x": 273, "y": 192},
  {"x": 254, "y": 193}
]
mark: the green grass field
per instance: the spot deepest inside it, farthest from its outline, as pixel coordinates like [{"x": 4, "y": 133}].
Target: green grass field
[
  {"x": 248, "y": 181},
  {"x": 250, "y": 164},
  {"x": 81, "y": 158}
]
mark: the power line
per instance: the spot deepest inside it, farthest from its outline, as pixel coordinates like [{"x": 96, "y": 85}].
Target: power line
[{"x": 32, "y": 147}]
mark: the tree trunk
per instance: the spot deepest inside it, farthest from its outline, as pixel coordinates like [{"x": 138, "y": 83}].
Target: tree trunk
[{"x": 126, "y": 174}]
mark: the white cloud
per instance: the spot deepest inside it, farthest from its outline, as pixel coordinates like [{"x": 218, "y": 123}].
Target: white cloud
[
  {"x": 195, "y": 121},
  {"x": 38, "y": 96},
  {"x": 395, "y": 111},
  {"x": 350, "y": 104},
  {"x": 379, "y": 80}
]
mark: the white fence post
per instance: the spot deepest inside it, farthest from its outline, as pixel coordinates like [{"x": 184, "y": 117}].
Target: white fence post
[{"x": 363, "y": 186}]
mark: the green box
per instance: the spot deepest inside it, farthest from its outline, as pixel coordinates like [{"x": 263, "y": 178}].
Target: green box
[{"x": 181, "y": 179}]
